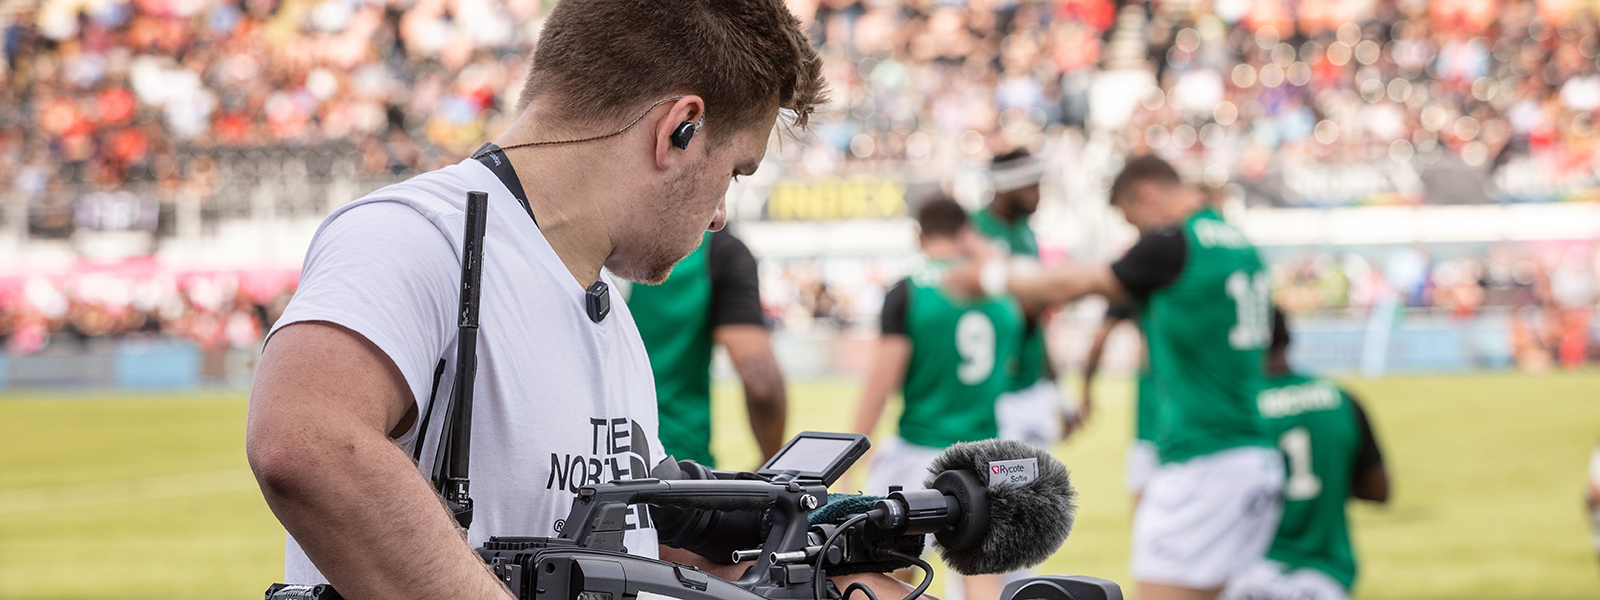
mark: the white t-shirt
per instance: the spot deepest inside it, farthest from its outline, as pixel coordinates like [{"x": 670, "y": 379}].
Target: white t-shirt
[{"x": 560, "y": 401}]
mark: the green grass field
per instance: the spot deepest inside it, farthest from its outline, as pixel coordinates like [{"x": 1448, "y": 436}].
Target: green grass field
[{"x": 149, "y": 497}]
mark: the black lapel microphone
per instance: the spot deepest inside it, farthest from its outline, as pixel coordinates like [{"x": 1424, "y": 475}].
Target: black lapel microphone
[{"x": 597, "y": 301}]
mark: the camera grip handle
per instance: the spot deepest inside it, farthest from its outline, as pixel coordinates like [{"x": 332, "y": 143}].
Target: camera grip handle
[{"x": 720, "y": 500}]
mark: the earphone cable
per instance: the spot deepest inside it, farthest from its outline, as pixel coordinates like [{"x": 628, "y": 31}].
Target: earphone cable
[{"x": 618, "y": 132}]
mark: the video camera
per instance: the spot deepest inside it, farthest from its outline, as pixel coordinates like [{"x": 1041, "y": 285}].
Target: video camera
[
  {"x": 992, "y": 507},
  {"x": 796, "y": 551}
]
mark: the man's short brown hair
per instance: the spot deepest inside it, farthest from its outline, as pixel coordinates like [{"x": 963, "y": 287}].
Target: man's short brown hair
[
  {"x": 605, "y": 60},
  {"x": 941, "y": 216},
  {"x": 1139, "y": 169}
]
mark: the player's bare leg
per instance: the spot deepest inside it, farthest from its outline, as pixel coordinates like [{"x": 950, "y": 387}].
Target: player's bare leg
[
  {"x": 1592, "y": 496},
  {"x": 984, "y": 587},
  {"x": 1158, "y": 591}
]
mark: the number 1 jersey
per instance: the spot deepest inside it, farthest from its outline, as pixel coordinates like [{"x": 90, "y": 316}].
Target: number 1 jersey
[{"x": 1326, "y": 441}]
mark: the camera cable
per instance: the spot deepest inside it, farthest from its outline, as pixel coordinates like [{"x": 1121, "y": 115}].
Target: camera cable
[
  {"x": 927, "y": 572},
  {"x": 858, "y": 586},
  {"x": 822, "y": 555}
]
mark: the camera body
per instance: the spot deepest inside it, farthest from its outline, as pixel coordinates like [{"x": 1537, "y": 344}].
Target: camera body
[{"x": 589, "y": 561}]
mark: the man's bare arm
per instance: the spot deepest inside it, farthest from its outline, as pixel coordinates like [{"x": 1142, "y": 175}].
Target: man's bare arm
[
  {"x": 1065, "y": 283},
  {"x": 323, "y": 407},
  {"x": 1037, "y": 290},
  {"x": 1091, "y": 365},
  {"x": 1372, "y": 484},
  {"x": 894, "y": 353},
  {"x": 765, "y": 397},
  {"x": 889, "y": 370}
]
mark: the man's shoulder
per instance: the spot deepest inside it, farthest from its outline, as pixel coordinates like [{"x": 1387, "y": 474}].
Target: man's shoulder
[
  {"x": 436, "y": 200},
  {"x": 440, "y": 193}
]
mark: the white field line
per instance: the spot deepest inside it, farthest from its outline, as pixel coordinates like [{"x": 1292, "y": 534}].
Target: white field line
[{"x": 126, "y": 490}]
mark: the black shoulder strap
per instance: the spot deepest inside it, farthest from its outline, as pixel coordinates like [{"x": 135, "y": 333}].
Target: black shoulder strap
[
  {"x": 422, "y": 428},
  {"x": 493, "y": 157}
]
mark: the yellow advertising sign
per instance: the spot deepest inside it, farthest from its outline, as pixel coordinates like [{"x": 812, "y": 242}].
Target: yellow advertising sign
[{"x": 836, "y": 199}]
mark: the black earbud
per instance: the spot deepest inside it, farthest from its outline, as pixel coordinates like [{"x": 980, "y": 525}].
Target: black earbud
[{"x": 684, "y": 133}]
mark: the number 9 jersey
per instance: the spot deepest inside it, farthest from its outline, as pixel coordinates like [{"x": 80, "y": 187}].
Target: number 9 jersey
[{"x": 963, "y": 356}]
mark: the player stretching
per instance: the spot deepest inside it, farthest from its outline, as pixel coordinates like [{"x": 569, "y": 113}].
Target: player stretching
[
  {"x": 1210, "y": 508},
  {"x": 1332, "y": 456},
  {"x": 948, "y": 355},
  {"x": 1031, "y": 411},
  {"x": 712, "y": 297}
]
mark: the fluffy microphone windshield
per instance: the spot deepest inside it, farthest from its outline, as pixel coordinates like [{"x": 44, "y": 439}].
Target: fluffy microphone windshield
[{"x": 1027, "y": 521}]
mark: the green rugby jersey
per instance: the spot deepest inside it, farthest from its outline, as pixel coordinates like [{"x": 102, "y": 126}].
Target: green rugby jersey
[
  {"x": 1327, "y": 442},
  {"x": 1144, "y": 423},
  {"x": 1019, "y": 241},
  {"x": 1206, "y": 319},
  {"x": 1018, "y": 236},
  {"x": 960, "y": 351},
  {"x": 715, "y": 285}
]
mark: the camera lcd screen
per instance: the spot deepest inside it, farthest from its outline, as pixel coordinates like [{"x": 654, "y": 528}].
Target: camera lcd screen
[{"x": 810, "y": 455}]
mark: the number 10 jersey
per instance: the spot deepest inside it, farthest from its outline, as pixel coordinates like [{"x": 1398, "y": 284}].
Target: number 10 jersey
[{"x": 1206, "y": 331}]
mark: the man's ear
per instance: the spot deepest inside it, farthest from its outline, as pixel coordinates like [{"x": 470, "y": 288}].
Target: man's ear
[{"x": 688, "y": 109}]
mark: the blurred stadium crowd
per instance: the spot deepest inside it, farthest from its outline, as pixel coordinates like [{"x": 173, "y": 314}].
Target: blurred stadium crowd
[
  {"x": 215, "y": 311},
  {"x": 117, "y": 89},
  {"x": 154, "y": 96},
  {"x": 1482, "y": 81}
]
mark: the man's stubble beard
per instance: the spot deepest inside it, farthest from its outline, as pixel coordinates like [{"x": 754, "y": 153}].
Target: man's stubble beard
[{"x": 660, "y": 250}]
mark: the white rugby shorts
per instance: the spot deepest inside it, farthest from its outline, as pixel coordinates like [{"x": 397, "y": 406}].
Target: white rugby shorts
[
  {"x": 1204, "y": 520},
  {"x": 899, "y": 462},
  {"x": 1272, "y": 580},
  {"x": 1032, "y": 415},
  {"x": 1139, "y": 464}
]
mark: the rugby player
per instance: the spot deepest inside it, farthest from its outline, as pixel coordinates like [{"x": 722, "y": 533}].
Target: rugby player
[
  {"x": 948, "y": 355},
  {"x": 712, "y": 298},
  {"x": 1032, "y": 411},
  {"x": 1210, "y": 508},
  {"x": 1332, "y": 456}
]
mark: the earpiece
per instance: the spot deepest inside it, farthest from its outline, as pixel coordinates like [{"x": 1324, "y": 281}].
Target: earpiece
[{"x": 684, "y": 133}]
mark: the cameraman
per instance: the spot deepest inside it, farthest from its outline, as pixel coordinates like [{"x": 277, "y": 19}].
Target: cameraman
[{"x": 604, "y": 165}]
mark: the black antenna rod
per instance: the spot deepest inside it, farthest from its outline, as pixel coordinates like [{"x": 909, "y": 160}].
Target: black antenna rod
[{"x": 458, "y": 418}]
